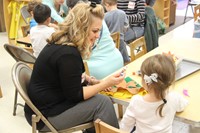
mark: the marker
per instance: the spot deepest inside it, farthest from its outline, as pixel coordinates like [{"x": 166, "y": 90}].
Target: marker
[{"x": 122, "y": 72}]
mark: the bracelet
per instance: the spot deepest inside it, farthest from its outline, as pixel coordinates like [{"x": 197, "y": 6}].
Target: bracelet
[{"x": 90, "y": 80}]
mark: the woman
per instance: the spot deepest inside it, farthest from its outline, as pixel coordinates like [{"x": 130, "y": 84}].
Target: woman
[
  {"x": 56, "y": 86},
  {"x": 105, "y": 58},
  {"x": 58, "y": 9}
]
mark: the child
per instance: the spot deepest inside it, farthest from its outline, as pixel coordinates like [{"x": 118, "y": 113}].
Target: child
[
  {"x": 155, "y": 111},
  {"x": 117, "y": 21},
  {"x": 41, "y": 32},
  {"x": 30, "y": 8}
]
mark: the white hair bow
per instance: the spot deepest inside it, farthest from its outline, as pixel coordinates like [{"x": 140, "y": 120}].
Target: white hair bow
[{"x": 151, "y": 78}]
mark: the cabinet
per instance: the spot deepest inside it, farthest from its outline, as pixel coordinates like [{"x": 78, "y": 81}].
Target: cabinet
[
  {"x": 162, "y": 10},
  {"x": 8, "y": 17}
]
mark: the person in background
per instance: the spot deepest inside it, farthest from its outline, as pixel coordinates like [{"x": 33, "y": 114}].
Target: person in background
[
  {"x": 30, "y": 8},
  {"x": 40, "y": 32},
  {"x": 155, "y": 111},
  {"x": 150, "y": 2},
  {"x": 105, "y": 58},
  {"x": 135, "y": 11},
  {"x": 58, "y": 9},
  {"x": 58, "y": 82},
  {"x": 117, "y": 21}
]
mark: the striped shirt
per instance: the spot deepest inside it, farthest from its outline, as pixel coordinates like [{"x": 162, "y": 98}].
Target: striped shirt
[{"x": 135, "y": 11}]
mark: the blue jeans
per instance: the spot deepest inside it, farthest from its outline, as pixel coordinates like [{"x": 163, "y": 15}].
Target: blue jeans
[{"x": 133, "y": 33}]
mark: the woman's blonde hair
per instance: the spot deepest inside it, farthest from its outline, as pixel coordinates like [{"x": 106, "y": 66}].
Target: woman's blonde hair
[
  {"x": 74, "y": 31},
  {"x": 164, "y": 66}
]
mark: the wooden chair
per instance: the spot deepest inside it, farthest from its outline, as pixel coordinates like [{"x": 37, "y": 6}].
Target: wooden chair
[
  {"x": 191, "y": 3},
  {"x": 138, "y": 48},
  {"x": 102, "y": 127},
  {"x": 86, "y": 68},
  {"x": 21, "y": 74},
  {"x": 19, "y": 54},
  {"x": 196, "y": 12},
  {"x": 116, "y": 38},
  {"x": 25, "y": 30}
]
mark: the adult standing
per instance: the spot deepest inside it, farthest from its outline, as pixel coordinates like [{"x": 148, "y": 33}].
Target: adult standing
[
  {"x": 57, "y": 82},
  {"x": 135, "y": 11},
  {"x": 58, "y": 9}
]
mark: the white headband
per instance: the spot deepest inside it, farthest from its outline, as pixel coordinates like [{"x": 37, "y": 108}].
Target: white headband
[{"x": 151, "y": 78}]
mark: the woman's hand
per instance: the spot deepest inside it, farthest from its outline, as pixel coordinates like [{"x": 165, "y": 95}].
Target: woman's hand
[
  {"x": 116, "y": 78},
  {"x": 93, "y": 80}
]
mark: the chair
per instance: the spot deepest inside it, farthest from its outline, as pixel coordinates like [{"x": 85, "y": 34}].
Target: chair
[
  {"x": 86, "y": 68},
  {"x": 138, "y": 43},
  {"x": 19, "y": 54},
  {"x": 25, "y": 30},
  {"x": 21, "y": 74},
  {"x": 196, "y": 12},
  {"x": 25, "y": 14},
  {"x": 102, "y": 127},
  {"x": 116, "y": 38},
  {"x": 191, "y": 3}
]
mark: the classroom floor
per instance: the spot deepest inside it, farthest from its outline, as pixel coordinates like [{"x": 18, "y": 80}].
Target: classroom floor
[{"x": 18, "y": 124}]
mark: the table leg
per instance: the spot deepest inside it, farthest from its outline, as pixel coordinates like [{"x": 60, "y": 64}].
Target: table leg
[
  {"x": 1, "y": 95},
  {"x": 120, "y": 110}
]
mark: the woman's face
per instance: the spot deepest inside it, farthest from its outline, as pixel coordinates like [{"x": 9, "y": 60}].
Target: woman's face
[
  {"x": 60, "y": 2},
  {"x": 94, "y": 31}
]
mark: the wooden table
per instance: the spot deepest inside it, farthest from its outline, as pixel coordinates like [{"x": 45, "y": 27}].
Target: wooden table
[
  {"x": 189, "y": 49},
  {"x": 25, "y": 40}
]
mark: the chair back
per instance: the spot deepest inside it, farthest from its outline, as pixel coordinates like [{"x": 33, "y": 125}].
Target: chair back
[
  {"x": 25, "y": 14},
  {"x": 20, "y": 54},
  {"x": 138, "y": 48},
  {"x": 86, "y": 68},
  {"x": 21, "y": 74},
  {"x": 102, "y": 127},
  {"x": 116, "y": 38},
  {"x": 196, "y": 12}
]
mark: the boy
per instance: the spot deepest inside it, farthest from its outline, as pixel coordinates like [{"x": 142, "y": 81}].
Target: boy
[
  {"x": 30, "y": 8},
  {"x": 41, "y": 32},
  {"x": 117, "y": 21}
]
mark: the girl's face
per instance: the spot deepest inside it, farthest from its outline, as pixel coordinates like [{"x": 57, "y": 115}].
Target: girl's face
[
  {"x": 60, "y": 2},
  {"x": 94, "y": 31}
]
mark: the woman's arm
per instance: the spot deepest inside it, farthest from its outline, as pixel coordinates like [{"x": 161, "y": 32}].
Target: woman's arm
[{"x": 89, "y": 91}]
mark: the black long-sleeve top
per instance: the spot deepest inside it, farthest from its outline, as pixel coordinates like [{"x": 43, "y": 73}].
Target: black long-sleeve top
[{"x": 55, "y": 84}]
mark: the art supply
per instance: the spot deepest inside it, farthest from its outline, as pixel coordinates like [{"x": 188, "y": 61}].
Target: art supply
[{"x": 123, "y": 70}]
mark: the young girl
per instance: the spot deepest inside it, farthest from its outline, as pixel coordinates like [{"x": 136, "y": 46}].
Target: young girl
[{"x": 155, "y": 111}]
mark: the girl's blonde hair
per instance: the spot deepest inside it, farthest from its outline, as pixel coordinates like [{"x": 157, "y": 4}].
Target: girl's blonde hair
[
  {"x": 74, "y": 31},
  {"x": 164, "y": 66}
]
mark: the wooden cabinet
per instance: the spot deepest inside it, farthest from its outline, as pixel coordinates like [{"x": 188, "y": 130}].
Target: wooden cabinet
[
  {"x": 162, "y": 10},
  {"x": 8, "y": 17}
]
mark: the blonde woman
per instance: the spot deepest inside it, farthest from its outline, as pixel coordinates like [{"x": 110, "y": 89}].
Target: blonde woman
[{"x": 57, "y": 82}]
